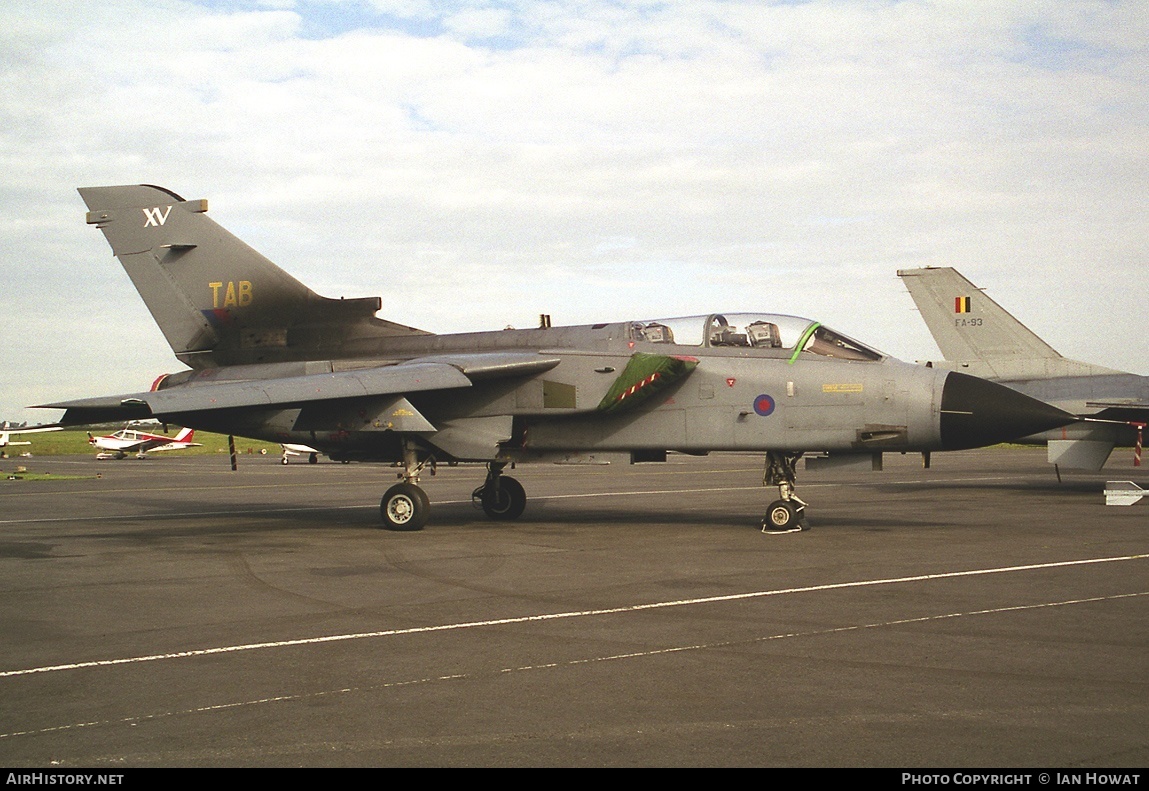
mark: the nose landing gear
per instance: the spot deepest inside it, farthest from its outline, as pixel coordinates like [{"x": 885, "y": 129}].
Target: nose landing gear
[{"x": 788, "y": 513}]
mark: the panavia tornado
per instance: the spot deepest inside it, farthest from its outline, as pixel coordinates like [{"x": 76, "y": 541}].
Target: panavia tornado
[{"x": 271, "y": 359}]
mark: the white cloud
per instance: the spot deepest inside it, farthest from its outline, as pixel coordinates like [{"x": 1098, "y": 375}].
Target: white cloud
[{"x": 589, "y": 160}]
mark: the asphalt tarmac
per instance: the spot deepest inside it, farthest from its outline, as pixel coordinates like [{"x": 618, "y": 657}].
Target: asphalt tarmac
[{"x": 174, "y": 613}]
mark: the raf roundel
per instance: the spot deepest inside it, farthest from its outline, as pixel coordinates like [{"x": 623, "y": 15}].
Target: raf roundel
[{"x": 764, "y": 405}]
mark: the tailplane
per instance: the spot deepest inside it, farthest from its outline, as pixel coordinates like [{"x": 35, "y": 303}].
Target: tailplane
[{"x": 218, "y": 301}]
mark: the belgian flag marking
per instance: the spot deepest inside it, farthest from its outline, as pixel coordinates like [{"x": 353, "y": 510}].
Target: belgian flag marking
[{"x": 961, "y": 304}]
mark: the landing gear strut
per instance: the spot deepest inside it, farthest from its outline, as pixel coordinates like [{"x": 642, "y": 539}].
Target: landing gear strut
[
  {"x": 788, "y": 513},
  {"x": 406, "y": 506},
  {"x": 500, "y": 496}
]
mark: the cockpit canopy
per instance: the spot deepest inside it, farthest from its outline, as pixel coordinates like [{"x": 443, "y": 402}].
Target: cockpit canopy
[{"x": 753, "y": 331}]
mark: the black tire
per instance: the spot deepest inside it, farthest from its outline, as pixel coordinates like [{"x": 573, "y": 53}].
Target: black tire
[
  {"x": 405, "y": 507},
  {"x": 283, "y": 460},
  {"x": 505, "y": 502},
  {"x": 781, "y": 517},
  {"x": 312, "y": 458}
]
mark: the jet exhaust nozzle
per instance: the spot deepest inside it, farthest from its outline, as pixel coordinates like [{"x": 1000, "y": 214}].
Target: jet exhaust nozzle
[{"x": 976, "y": 413}]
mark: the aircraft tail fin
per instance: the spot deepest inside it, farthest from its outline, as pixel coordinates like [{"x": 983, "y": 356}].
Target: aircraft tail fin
[
  {"x": 965, "y": 323},
  {"x": 978, "y": 336},
  {"x": 185, "y": 435},
  {"x": 218, "y": 301}
]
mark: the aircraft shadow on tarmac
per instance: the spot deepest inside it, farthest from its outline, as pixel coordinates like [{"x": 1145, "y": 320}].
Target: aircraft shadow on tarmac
[
  {"x": 256, "y": 519},
  {"x": 25, "y": 550},
  {"x": 1050, "y": 486},
  {"x": 277, "y": 521},
  {"x": 274, "y": 520}
]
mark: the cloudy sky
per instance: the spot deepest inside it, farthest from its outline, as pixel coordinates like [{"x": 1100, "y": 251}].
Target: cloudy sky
[{"x": 477, "y": 163}]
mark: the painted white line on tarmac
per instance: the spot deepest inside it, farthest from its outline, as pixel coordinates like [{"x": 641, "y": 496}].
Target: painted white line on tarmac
[
  {"x": 135, "y": 720},
  {"x": 558, "y": 616}
]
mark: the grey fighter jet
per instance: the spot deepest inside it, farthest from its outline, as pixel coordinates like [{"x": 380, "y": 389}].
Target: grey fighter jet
[
  {"x": 978, "y": 336},
  {"x": 270, "y": 359}
]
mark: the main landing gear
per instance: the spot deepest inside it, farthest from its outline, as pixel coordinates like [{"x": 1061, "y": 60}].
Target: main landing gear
[
  {"x": 501, "y": 496},
  {"x": 406, "y": 506},
  {"x": 788, "y": 513}
]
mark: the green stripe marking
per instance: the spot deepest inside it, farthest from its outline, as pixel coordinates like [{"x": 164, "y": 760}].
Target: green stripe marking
[{"x": 802, "y": 341}]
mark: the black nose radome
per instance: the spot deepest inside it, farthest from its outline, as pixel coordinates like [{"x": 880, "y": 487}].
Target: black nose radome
[{"x": 977, "y": 413}]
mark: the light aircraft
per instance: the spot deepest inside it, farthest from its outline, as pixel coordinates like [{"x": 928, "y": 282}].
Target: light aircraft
[
  {"x": 129, "y": 440},
  {"x": 978, "y": 336},
  {"x": 6, "y": 433},
  {"x": 271, "y": 359}
]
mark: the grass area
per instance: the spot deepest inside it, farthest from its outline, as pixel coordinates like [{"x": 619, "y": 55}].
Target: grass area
[
  {"x": 71, "y": 442},
  {"x": 42, "y": 476}
]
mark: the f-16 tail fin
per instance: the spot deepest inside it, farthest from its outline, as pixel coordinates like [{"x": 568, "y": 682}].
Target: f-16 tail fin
[
  {"x": 218, "y": 301},
  {"x": 979, "y": 336}
]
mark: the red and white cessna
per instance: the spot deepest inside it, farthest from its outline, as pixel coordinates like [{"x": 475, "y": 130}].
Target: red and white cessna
[{"x": 128, "y": 440}]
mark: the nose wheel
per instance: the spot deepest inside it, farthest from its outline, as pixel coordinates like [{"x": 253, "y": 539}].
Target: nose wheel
[
  {"x": 784, "y": 516},
  {"x": 788, "y": 513}
]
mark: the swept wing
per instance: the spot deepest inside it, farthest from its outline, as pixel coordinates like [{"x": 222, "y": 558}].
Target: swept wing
[{"x": 425, "y": 374}]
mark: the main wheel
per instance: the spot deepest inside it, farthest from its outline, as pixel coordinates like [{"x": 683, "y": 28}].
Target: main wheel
[
  {"x": 405, "y": 507},
  {"x": 781, "y": 517},
  {"x": 312, "y": 458},
  {"x": 506, "y": 501}
]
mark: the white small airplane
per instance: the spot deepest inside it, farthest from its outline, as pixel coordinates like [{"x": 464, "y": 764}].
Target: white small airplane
[
  {"x": 290, "y": 449},
  {"x": 6, "y": 433},
  {"x": 128, "y": 440}
]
